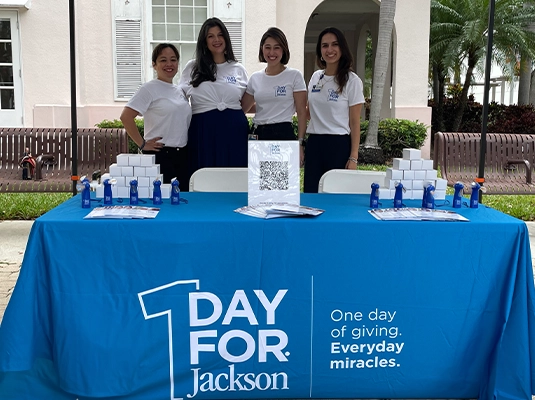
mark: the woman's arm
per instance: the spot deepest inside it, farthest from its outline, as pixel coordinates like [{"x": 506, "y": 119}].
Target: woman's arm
[
  {"x": 128, "y": 119},
  {"x": 354, "y": 125},
  {"x": 247, "y": 102},
  {"x": 300, "y": 100}
]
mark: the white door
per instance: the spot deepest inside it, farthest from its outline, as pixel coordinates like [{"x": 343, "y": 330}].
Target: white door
[{"x": 10, "y": 71}]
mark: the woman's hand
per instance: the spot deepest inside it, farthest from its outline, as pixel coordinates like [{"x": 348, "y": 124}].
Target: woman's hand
[
  {"x": 352, "y": 163},
  {"x": 153, "y": 144}
]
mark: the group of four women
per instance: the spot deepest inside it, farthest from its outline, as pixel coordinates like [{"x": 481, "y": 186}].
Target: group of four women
[{"x": 213, "y": 131}]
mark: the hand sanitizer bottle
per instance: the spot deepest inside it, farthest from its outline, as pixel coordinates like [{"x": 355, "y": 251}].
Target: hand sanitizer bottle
[
  {"x": 86, "y": 194},
  {"x": 157, "y": 193},
  {"x": 374, "y": 196},
  {"x": 134, "y": 196},
  {"x": 429, "y": 197},
  {"x": 175, "y": 192},
  {"x": 458, "y": 195},
  {"x": 398, "y": 195},
  {"x": 474, "y": 197},
  {"x": 108, "y": 196}
]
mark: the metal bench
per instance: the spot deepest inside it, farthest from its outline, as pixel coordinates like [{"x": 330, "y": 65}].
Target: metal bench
[
  {"x": 52, "y": 149},
  {"x": 508, "y": 163}
]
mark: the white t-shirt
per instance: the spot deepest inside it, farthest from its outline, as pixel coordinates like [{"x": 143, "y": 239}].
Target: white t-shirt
[
  {"x": 329, "y": 110},
  {"x": 225, "y": 92},
  {"x": 166, "y": 112},
  {"x": 274, "y": 95}
]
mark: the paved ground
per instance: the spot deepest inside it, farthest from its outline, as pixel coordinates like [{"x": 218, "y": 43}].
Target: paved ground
[{"x": 14, "y": 236}]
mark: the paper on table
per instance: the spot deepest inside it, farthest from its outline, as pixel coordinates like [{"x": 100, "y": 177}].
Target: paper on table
[
  {"x": 279, "y": 210},
  {"x": 415, "y": 214},
  {"x": 123, "y": 212}
]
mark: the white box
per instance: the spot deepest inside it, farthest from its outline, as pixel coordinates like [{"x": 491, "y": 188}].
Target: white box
[
  {"x": 105, "y": 176},
  {"x": 166, "y": 190},
  {"x": 122, "y": 160},
  {"x": 147, "y": 160},
  {"x": 441, "y": 184},
  {"x": 412, "y": 154},
  {"x": 115, "y": 170},
  {"x": 420, "y": 175},
  {"x": 427, "y": 164},
  {"x": 407, "y": 194},
  {"x": 417, "y": 184},
  {"x": 134, "y": 160},
  {"x": 123, "y": 192},
  {"x": 143, "y": 181},
  {"x": 400, "y": 163},
  {"x": 431, "y": 174},
  {"x": 440, "y": 194},
  {"x": 121, "y": 181},
  {"x": 407, "y": 184},
  {"x": 408, "y": 174},
  {"x": 395, "y": 174},
  {"x": 416, "y": 165},
  {"x": 153, "y": 170},
  {"x": 99, "y": 192},
  {"x": 140, "y": 171},
  {"x": 385, "y": 193},
  {"x": 143, "y": 192},
  {"x": 391, "y": 183},
  {"x": 127, "y": 171},
  {"x": 114, "y": 191},
  {"x": 417, "y": 194}
]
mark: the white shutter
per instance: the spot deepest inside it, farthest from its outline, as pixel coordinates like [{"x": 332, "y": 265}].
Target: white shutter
[
  {"x": 236, "y": 37},
  {"x": 128, "y": 57}
]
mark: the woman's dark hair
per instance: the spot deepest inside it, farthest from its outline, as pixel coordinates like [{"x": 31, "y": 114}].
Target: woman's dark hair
[
  {"x": 280, "y": 38},
  {"x": 345, "y": 65},
  {"x": 158, "y": 50},
  {"x": 205, "y": 68}
]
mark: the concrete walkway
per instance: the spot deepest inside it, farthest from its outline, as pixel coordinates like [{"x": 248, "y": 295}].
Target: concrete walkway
[{"x": 14, "y": 236}]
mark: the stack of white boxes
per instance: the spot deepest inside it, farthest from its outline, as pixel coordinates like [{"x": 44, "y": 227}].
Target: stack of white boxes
[
  {"x": 414, "y": 173},
  {"x": 141, "y": 167}
]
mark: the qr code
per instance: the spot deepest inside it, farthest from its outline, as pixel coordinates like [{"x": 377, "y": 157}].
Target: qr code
[{"x": 274, "y": 175}]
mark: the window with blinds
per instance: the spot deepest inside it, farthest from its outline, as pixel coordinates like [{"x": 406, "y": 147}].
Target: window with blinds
[{"x": 236, "y": 37}]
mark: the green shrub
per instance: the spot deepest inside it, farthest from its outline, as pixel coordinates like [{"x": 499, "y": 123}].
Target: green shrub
[
  {"x": 396, "y": 134},
  {"x": 116, "y": 123}
]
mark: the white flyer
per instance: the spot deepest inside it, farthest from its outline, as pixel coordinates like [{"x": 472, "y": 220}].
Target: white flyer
[{"x": 273, "y": 172}]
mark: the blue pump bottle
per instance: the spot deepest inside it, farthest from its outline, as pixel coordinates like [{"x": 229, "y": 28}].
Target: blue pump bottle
[
  {"x": 134, "y": 196},
  {"x": 374, "y": 196},
  {"x": 398, "y": 195},
  {"x": 429, "y": 197},
  {"x": 175, "y": 192},
  {"x": 86, "y": 194},
  {"x": 474, "y": 197},
  {"x": 458, "y": 195},
  {"x": 157, "y": 192},
  {"x": 108, "y": 196}
]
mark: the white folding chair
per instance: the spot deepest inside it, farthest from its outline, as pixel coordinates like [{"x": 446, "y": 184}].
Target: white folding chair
[
  {"x": 219, "y": 180},
  {"x": 350, "y": 181}
]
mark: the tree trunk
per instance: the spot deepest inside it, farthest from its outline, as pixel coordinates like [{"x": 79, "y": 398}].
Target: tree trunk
[
  {"x": 532, "y": 89},
  {"x": 380, "y": 69},
  {"x": 459, "y": 109},
  {"x": 524, "y": 81}
]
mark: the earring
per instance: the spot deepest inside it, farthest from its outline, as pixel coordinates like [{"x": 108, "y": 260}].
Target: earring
[{"x": 322, "y": 60}]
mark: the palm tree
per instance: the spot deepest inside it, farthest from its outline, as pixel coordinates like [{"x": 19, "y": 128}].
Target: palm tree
[
  {"x": 382, "y": 58},
  {"x": 459, "y": 29}
]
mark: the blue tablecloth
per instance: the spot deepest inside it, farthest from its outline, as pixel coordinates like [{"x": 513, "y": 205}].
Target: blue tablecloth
[{"x": 205, "y": 303}]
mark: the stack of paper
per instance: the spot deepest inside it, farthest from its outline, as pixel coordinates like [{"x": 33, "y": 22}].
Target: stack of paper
[
  {"x": 278, "y": 210},
  {"x": 123, "y": 212}
]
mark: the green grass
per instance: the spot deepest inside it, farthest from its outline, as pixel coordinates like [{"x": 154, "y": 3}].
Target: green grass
[{"x": 28, "y": 206}]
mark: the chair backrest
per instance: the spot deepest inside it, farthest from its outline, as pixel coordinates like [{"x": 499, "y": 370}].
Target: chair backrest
[
  {"x": 350, "y": 181},
  {"x": 219, "y": 180}
]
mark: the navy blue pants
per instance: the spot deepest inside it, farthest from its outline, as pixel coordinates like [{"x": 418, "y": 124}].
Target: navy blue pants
[
  {"x": 323, "y": 153},
  {"x": 173, "y": 164},
  {"x": 279, "y": 131}
]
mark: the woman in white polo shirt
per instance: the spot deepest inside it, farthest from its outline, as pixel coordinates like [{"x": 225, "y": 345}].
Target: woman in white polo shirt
[
  {"x": 335, "y": 98},
  {"x": 167, "y": 115},
  {"x": 215, "y": 83},
  {"x": 278, "y": 91}
]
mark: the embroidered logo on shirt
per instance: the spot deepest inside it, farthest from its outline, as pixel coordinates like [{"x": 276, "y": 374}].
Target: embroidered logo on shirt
[
  {"x": 280, "y": 91},
  {"x": 333, "y": 95},
  {"x": 230, "y": 79}
]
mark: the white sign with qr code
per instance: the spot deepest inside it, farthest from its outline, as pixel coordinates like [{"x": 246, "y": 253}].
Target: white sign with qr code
[{"x": 274, "y": 172}]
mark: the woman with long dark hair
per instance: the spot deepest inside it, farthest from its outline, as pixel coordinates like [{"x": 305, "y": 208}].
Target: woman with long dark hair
[
  {"x": 335, "y": 98},
  {"x": 215, "y": 82}
]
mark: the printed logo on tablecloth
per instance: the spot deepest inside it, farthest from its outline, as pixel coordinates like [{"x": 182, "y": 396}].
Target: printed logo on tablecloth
[{"x": 211, "y": 334}]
